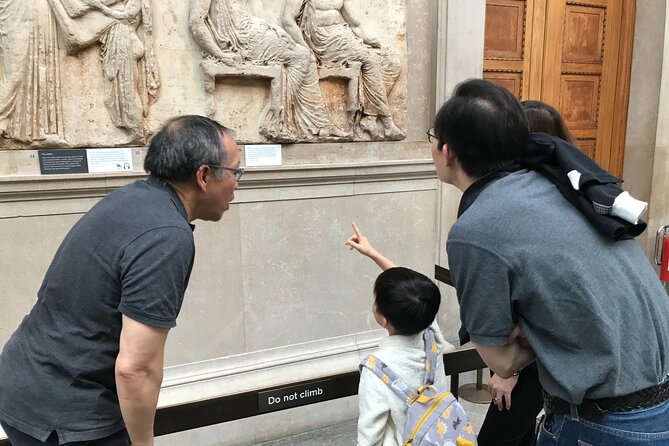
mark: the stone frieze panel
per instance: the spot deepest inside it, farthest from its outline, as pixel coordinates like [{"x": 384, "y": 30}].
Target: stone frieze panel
[{"x": 104, "y": 73}]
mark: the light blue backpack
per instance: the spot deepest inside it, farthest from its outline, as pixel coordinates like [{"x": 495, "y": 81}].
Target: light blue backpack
[{"x": 434, "y": 418}]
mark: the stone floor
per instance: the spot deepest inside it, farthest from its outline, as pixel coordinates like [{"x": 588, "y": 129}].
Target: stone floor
[{"x": 345, "y": 434}]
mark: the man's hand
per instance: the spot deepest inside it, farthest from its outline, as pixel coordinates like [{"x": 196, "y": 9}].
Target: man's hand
[{"x": 501, "y": 389}]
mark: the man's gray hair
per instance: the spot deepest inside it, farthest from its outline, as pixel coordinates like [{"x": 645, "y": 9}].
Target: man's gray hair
[{"x": 184, "y": 144}]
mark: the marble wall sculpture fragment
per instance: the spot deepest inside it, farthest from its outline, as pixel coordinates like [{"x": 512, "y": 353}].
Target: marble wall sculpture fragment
[
  {"x": 30, "y": 95},
  {"x": 123, "y": 29},
  {"x": 85, "y": 73},
  {"x": 232, "y": 36},
  {"x": 319, "y": 40},
  {"x": 330, "y": 29}
]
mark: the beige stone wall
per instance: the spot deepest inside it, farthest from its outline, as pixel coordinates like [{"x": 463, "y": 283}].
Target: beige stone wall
[
  {"x": 659, "y": 196},
  {"x": 646, "y": 160},
  {"x": 648, "y": 70}
]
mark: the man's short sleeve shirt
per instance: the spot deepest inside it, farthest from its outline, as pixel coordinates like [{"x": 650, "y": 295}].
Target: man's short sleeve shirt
[
  {"x": 131, "y": 254},
  {"x": 592, "y": 309}
]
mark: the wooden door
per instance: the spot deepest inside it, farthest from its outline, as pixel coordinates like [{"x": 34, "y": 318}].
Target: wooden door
[{"x": 574, "y": 55}]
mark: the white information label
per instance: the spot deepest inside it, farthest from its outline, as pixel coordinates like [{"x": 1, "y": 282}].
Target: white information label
[
  {"x": 109, "y": 160},
  {"x": 262, "y": 155}
]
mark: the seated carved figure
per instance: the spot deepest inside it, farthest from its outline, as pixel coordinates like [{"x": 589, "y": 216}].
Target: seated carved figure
[
  {"x": 229, "y": 32},
  {"x": 331, "y": 31}
]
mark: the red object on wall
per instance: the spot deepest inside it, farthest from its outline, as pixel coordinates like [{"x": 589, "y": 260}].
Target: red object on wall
[{"x": 664, "y": 268}]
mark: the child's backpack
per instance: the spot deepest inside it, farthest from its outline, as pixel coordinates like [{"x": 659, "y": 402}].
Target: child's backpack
[{"x": 435, "y": 417}]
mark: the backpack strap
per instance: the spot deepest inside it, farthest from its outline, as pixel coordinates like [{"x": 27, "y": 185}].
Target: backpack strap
[
  {"x": 431, "y": 355},
  {"x": 389, "y": 378}
]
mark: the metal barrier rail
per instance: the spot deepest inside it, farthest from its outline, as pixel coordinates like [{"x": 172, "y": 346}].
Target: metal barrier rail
[{"x": 234, "y": 407}]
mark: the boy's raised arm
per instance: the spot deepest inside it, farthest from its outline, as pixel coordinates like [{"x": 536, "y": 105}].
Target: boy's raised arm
[{"x": 360, "y": 243}]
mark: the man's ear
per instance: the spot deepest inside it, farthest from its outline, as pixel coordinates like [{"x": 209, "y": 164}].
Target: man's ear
[
  {"x": 202, "y": 176},
  {"x": 447, "y": 153}
]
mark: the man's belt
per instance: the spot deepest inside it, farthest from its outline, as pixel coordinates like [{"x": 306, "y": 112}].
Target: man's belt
[{"x": 595, "y": 409}]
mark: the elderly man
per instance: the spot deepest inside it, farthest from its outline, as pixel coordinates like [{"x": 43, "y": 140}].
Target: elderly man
[
  {"x": 537, "y": 278},
  {"x": 86, "y": 364}
]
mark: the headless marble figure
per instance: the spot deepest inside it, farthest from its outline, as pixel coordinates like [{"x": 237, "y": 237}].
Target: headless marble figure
[
  {"x": 30, "y": 94},
  {"x": 331, "y": 31},
  {"x": 124, "y": 30},
  {"x": 228, "y": 31}
]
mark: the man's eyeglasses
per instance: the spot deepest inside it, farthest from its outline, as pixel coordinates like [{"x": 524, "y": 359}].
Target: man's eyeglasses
[
  {"x": 237, "y": 172},
  {"x": 431, "y": 136}
]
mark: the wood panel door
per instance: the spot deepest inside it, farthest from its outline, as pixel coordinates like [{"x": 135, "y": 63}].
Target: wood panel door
[{"x": 574, "y": 55}]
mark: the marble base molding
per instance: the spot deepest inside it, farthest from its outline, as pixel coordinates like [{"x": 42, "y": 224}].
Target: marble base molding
[{"x": 266, "y": 368}]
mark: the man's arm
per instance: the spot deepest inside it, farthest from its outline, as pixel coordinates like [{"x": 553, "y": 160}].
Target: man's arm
[
  {"x": 348, "y": 15},
  {"x": 139, "y": 373},
  {"x": 505, "y": 360},
  {"x": 290, "y": 11}
]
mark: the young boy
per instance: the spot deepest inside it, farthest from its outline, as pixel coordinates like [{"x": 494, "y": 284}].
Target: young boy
[{"x": 405, "y": 304}]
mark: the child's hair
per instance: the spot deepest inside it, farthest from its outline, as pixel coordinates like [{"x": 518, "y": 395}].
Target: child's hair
[
  {"x": 407, "y": 299},
  {"x": 542, "y": 117}
]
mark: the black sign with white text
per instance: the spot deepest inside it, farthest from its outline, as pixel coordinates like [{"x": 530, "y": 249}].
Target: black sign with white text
[
  {"x": 63, "y": 161},
  {"x": 294, "y": 396}
]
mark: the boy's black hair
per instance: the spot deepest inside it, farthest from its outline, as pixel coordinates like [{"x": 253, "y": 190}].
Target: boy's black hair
[{"x": 407, "y": 299}]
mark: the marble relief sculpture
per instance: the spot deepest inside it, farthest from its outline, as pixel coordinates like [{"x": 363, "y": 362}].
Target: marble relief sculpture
[
  {"x": 321, "y": 65},
  {"x": 30, "y": 96},
  {"x": 336, "y": 38},
  {"x": 124, "y": 31},
  {"x": 231, "y": 35}
]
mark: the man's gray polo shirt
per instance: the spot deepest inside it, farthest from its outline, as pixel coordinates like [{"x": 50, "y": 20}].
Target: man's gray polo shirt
[
  {"x": 131, "y": 254},
  {"x": 592, "y": 309}
]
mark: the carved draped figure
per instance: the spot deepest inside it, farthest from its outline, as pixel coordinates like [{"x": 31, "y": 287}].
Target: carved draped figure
[
  {"x": 237, "y": 30},
  {"x": 129, "y": 68},
  {"x": 337, "y": 45},
  {"x": 30, "y": 101}
]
